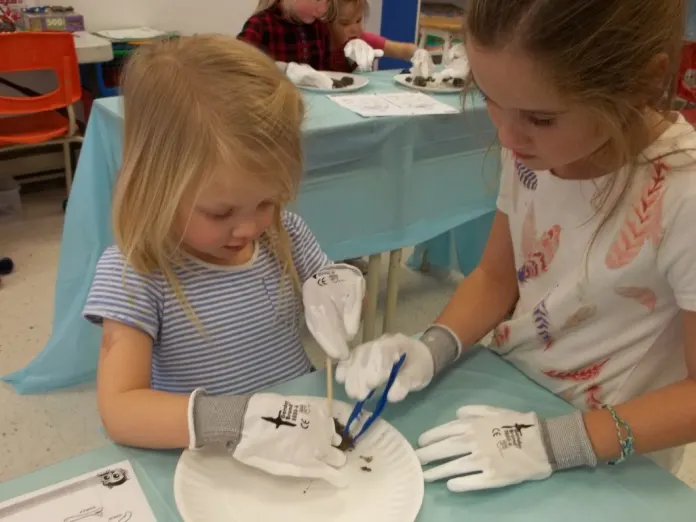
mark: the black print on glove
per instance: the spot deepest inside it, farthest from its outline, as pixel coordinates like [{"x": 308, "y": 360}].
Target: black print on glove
[
  {"x": 510, "y": 436},
  {"x": 288, "y": 416},
  {"x": 327, "y": 277}
]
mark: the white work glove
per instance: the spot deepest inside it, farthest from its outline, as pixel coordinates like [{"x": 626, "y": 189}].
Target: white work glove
[
  {"x": 370, "y": 365},
  {"x": 456, "y": 63},
  {"x": 289, "y": 437},
  {"x": 305, "y": 75},
  {"x": 362, "y": 54},
  {"x": 502, "y": 447},
  {"x": 333, "y": 300},
  {"x": 422, "y": 64}
]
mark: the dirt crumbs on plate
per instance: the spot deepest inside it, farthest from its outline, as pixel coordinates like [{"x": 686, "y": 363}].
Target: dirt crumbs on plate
[
  {"x": 421, "y": 81},
  {"x": 366, "y": 469},
  {"x": 347, "y": 442},
  {"x": 342, "y": 83},
  {"x": 366, "y": 459}
]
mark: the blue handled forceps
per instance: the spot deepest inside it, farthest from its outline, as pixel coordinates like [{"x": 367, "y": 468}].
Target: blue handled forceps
[{"x": 379, "y": 406}]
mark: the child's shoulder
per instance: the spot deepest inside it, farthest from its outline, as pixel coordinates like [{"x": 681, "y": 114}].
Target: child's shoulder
[
  {"x": 114, "y": 262},
  {"x": 293, "y": 223}
]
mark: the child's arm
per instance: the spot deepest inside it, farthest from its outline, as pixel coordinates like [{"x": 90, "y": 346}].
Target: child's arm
[
  {"x": 664, "y": 418},
  {"x": 399, "y": 50},
  {"x": 488, "y": 294},
  {"x": 132, "y": 413}
]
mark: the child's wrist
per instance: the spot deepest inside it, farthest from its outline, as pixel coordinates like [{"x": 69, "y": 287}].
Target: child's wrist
[
  {"x": 443, "y": 344},
  {"x": 567, "y": 442},
  {"x": 216, "y": 420}
]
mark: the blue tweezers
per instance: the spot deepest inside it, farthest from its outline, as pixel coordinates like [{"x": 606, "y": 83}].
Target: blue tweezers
[{"x": 379, "y": 406}]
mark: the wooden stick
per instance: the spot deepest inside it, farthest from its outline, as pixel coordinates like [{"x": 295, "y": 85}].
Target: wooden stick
[{"x": 329, "y": 384}]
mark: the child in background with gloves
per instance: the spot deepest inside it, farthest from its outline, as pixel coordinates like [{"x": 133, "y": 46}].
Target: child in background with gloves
[
  {"x": 348, "y": 27},
  {"x": 199, "y": 299},
  {"x": 592, "y": 245},
  {"x": 296, "y": 34}
]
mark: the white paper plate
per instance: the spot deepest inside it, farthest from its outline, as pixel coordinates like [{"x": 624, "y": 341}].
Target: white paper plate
[
  {"x": 359, "y": 82},
  {"x": 211, "y": 486},
  {"x": 433, "y": 89}
]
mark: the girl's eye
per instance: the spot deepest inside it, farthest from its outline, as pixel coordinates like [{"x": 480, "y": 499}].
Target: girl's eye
[
  {"x": 265, "y": 205},
  {"x": 541, "y": 122},
  {"x": 219, "y": 216}
]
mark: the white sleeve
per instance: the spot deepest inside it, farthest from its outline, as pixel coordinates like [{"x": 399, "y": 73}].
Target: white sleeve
[
  {"x": 507, "y": 180},
  {"x": 677, "y": 252}
]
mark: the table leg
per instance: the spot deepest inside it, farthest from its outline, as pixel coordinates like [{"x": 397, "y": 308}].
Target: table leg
[
  {"x": 392, "y": 290},
  {"x": 370, "y": 319}
]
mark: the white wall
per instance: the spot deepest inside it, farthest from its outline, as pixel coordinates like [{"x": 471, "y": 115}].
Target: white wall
[{"x": 202, "y": 16}]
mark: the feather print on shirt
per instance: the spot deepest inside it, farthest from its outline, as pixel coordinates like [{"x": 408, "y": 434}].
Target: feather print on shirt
[
  {"x": 527, "y": 176},
  {"x": 501, "y": 335},
  {"x": 643, "y": 295},
  {"x": 538, "y": 253},
  {"x": 643, "y": 223},
  {"x": 542, "y": 324},
  {"x": 580, "y": 316},
  {"x": 584, "y": 374}
]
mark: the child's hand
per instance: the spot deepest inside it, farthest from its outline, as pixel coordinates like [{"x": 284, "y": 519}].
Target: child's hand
[
  {"x": 422, "y": 64},
  {"x": 362, "y": 54},
  {"x": 333, "y": 300},
  {"x": 456, "y": 63},
  {"x": 280, "y": 435},
  {"x": 306, "y": 76},
  {"x": 289, "y": 437},
  {"x": 371, "y": 363}
]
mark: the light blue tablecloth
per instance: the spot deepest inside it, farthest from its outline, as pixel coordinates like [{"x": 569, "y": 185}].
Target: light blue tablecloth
[
  {"x": 371, "y": 185},
  {"x": 638, "y": 491}
]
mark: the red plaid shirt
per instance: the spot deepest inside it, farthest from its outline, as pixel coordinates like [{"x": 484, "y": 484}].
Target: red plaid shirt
[
  {"x": 288, "y": 41},
  {"x": 340, "y": 63}
]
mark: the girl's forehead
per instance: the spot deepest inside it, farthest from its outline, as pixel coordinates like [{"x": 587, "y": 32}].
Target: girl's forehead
[
  {"x": 513, "y": 80},
  {"x": 350, "y": 9}
]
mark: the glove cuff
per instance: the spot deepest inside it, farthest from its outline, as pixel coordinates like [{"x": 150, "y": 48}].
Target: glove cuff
[
  {"x": 216, "y": 420},
  {"x": 443, "y": 344},
  {"x": 567, "y": 443}
]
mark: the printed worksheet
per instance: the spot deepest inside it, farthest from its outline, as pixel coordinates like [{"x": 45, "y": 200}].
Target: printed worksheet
[
  {"x": 392, "y": 104},
  {"x": 111, "y": 494}
]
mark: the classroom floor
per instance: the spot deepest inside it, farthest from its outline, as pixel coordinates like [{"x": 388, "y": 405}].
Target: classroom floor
[{"x": 38, "y": 430}]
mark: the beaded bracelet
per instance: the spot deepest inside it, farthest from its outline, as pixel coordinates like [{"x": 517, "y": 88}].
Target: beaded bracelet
[{"x": 626, "y": 442}]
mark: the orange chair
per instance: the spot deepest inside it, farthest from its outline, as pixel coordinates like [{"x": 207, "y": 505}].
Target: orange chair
[{"x": 34, "y": 121}]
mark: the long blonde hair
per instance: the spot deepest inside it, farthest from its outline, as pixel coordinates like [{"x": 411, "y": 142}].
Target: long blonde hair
[
  {"x": 191, "y": 105},
  {"x": 330, "y": 15}
]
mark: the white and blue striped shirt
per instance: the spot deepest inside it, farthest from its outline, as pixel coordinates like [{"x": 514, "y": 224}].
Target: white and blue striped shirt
[{"x": 248, "y": 336}]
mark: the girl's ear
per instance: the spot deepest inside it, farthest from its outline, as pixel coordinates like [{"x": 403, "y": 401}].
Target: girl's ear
[{"x": 656, "y": 75}]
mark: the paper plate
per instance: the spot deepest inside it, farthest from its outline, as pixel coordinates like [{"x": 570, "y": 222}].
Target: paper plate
[
  {"x": 433, "y": 89},
  {"x": 211, "y": 486},
  {"x": 359, "y": 82}
]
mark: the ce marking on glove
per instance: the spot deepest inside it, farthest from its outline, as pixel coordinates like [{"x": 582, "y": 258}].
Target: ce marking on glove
[
  {"x": 497, "y": 432},
  {"x": 327, "y": 278}
]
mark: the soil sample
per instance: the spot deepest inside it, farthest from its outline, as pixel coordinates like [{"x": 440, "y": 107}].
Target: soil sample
[
  {"x": 342, "y": 83},
  {"x": 347, "y": 442}
]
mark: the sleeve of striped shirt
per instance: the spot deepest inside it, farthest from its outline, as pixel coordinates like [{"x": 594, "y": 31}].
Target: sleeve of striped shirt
[
  {"x": 307, "y": 255},
  {"x": 121, "y": 294}
]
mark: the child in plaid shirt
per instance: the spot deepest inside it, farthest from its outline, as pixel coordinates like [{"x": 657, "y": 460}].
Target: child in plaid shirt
[{"x": 292, "y": 31}]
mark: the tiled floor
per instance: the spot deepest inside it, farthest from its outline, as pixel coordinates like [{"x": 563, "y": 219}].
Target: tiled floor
[{"x": 60, "y": 425}]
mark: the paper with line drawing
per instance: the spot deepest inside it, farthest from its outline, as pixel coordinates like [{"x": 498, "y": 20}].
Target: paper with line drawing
[{"x": 110, "y": 494}]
